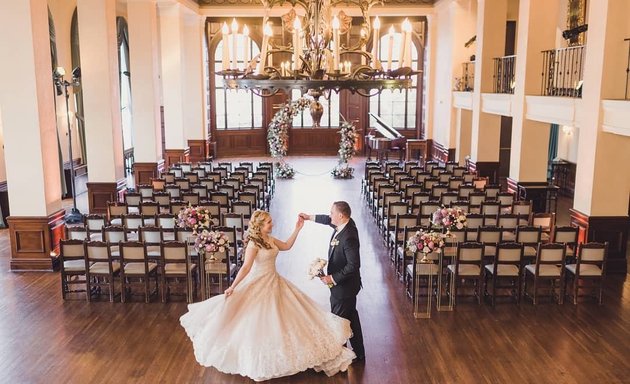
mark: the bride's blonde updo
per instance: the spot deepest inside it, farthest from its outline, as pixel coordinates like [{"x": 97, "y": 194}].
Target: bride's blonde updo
[{"x": 256, "y": 222}]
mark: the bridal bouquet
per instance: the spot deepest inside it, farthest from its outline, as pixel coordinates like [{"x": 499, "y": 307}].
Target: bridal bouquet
[
  {"x": 316, "y": 269},
  {"x": 450, "y": 218}
]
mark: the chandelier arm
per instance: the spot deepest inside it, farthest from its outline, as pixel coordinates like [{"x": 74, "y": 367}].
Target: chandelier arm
[
  {"x": 368, "y": 94},
  {"x": 261, "y": 92}
]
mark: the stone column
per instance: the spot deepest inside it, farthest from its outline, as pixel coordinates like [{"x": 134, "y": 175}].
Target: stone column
[
  {"x": 537, "y": 25},
  {"x": 101, "y": 98},
  {"x": 602, "y": 181},
  {"x": 173, "y": 81},
  {"x": 145, "y": 88},
  {"x": 30, "y": 137},
  {"x": 486, "y": 127},
  {"x": 194, "y": 129}
]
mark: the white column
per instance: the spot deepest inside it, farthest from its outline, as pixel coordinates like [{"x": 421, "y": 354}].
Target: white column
[
  {"x": 173, "y": 66},
  {"x": 602, "y": 181},
  {"x": 486, "y": 128},
  {"x": 455, "y": 26},
  {"x": 27, "y": 109},
  {"x": 537, "y": 27},
  {"x": 462, "y": 138},
  {"x": 145, "y": 73},
  {"x": 101, "y": 89},
  {"x": 194, "y": 81}
]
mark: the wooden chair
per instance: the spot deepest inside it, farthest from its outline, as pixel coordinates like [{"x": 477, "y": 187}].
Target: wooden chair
[
  {"x": 163, "y": 199},
  {"x": 174, "y": 190},
  {"x": 166, "y": 221},
  {"x": 101, "y": 270},
  {"x": 77, "y": 232},
  {"x": 152, "y": 237},
  {"x": 149, "y": 208},
  {"x": 72, "y": 266},
  {"x": 569, "y": 236},
  {"x": 590, "y": 265},
  {"x": 133, "y": 201},
  {"x": 183, "y": 184},
  {"x": 200, "y": 190},
  {"x": 546, "y": 222},
  {"x": 146, "y": 191},
  {"x": 136, "y": 269},
  {"x": 158, "y": 184},
  {"x": 190, "y": 198},
  {"x": 468, "y": 265},
  {"x": 530, "y": 238},
  {"x": 235, "y": 220},
  {"x": 115, "y": 211},
  {"x": 176, "y": 206},
  {"x": 177, "y": 267},
  {"x": 396, "y": 237},
  {"x": 94, "y": 224},
  {"x": 113, "y": 235},
  {"x": 506, "y": 266},
  {"x": 549, "y": 266}
]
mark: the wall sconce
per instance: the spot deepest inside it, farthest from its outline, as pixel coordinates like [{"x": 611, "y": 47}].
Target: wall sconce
[{"x": 567, "y": 130}]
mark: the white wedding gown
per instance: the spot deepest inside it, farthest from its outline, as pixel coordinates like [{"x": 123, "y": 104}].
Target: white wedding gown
[{"x": 267, "y": 328}]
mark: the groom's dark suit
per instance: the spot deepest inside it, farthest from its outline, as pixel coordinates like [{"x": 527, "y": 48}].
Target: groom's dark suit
[{"x": 343, "y": 265}]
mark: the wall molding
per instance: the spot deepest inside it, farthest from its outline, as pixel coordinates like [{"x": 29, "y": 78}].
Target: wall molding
[{"x": 33, "y": 238}]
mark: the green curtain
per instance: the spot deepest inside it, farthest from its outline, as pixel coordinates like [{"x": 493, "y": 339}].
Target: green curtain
[
  {"x": 53, "y": 57},
  {"x": 553, "y": 149},
  {"x": 78, "y": 91}
]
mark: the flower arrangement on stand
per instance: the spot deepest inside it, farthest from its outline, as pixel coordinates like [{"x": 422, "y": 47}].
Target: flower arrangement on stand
[
  {"x": 450, "y": 218},
  {"x": 199, "y": 219},
  {"x": 209, "y": 242},
  {"x": 346, "y": 150},
  {"x": 278, "y": 134},
  {"x": 426, "y": 242}
]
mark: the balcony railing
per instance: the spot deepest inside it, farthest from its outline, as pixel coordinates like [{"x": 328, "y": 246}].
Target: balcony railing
[
  {"x": 563, "y": 71},
  {"x": 504, "y": 74},
  {"x": 128, "y": 160},
  {"x": 468, "y": 77}
]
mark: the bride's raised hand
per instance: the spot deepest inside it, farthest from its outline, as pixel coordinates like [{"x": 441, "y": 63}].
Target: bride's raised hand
[
  {"x": 300, "y": 223},
  {"x": 228, "y": 292}
]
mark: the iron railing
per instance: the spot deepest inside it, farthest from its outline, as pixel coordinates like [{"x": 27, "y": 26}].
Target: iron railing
[
  {"x": 504, "y": 74},
  {"x": 468, "y": 76},
  {"x": 563, "y": 71},
  {"x": 128, "y": 159}
]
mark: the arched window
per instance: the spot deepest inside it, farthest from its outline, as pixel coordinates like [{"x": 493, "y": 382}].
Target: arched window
[
  {"x": 396, "y": 108},
  {"x": 236, "y": 109}
]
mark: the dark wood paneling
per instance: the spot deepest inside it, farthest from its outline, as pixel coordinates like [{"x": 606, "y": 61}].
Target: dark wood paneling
[
  {"x": 33, "y": 239},
  {"x": 542, "y": 195},
  {"x": 355, "y": 108},
  {"x": 487, "y": 169},
  {"x": 505, "y": 147},
  {"x": 251, "y": 142},
  {"x": 324, "y": 141},
  {"x": 197, "y": 150},
  {"x": 564, "y": 177},
  {"x": 144, "y": 172},
  {"x": 440, "y": 153},
  {"x": 512, "y": 186},
  {"x": 99, "y": 194},
  {"x": 174, "y": 156},
  {"x": 613, "y": 229}
]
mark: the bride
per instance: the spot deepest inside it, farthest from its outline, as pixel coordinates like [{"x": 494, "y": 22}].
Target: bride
[{"x": 263, "y": 326}]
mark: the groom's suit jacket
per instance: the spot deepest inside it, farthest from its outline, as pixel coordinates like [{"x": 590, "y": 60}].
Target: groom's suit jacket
[{"x": 343, "y": 259}]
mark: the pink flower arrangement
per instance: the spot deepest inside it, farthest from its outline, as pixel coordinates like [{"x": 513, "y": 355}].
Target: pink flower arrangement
[
  {"x": 194, "y": 217},
  {"x": 211, "y": 241},
  {"x": 450, "y": 218},
  {"x": 426, "y": 242}
]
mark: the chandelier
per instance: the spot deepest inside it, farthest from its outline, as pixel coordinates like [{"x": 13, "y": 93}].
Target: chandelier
[{"x": 320, "y": 61}]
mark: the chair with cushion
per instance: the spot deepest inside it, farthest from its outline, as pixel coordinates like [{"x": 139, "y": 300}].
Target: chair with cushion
[
  {"x": 166, "y": 221},
  {"x": 115, "y": 211},
  {"x": 177, "y": 268},
  {"x": 569, "y": 236},
  {"x": 468, "y": 265},
  {"x": 590, "y": 265},
  {"x": 158, "y": 184},
  {"x": 152, "y": 237},
  {"x": 530, "y": 238},
  {"x": 101, "y": 269},
  {"x": 72, "y": 266},
  {"x": 113, "y": 235},
  {"x": 506, "y": 266},
  {"x": 133, "y": 200},
  {"x": 150, "y": 208},
  {"x": 76, "y": 232},
  {"x": 546, "y": 222},
  {"x": 146, "y": 191},
  {"x": 136, "y": 269},
  {"x": 549, "y": 266},
  {"x": 94, "y": 224}
]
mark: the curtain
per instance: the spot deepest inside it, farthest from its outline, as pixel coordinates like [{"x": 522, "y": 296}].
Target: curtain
[
  {"x": 553, "y": 149},
  {"x": 53, "y": 57},
  {"x": 78, "y": 91},
  {"x": 124, "y": 82}
]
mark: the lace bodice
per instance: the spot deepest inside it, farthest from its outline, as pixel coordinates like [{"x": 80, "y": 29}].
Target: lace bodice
[{"x": 265, "y": 261}]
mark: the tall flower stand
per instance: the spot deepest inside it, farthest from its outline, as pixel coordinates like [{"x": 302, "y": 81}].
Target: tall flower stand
[
  {"x": 423, "y": 267},
  {"x": 450, "y": 298}
]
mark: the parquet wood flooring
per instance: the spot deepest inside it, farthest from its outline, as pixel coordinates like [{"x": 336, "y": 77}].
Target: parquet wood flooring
[{"x": 46, "y": 340}]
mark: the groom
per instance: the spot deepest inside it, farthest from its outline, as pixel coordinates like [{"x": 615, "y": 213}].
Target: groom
[{"x": 343, "y": 269}]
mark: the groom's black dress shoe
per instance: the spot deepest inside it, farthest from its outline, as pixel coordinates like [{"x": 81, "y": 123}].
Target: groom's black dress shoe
[{"x": 358, "y": 359}]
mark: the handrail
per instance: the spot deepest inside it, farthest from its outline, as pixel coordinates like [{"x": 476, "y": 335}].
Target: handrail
[
  {"x": 504, "y": 74},
  {"x": 563, "y": 71}
]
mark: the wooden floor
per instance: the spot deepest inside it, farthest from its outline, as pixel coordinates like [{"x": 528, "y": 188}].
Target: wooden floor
[{"x": 44, "y": 339}]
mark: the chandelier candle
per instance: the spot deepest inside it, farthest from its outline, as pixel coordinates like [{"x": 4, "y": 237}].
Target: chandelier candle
[
  {"x": 390, "y": 48},
  {"x": 335, "y": 26},
  {"x": 234, "y": 32},
  {"x": 297, "y": 47},
  {"x": 246, "y": 46},
  {"x": 265, "y": 46},
  {"x": 376, "y": 41},
  {"x": 225, "y": 59}
]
